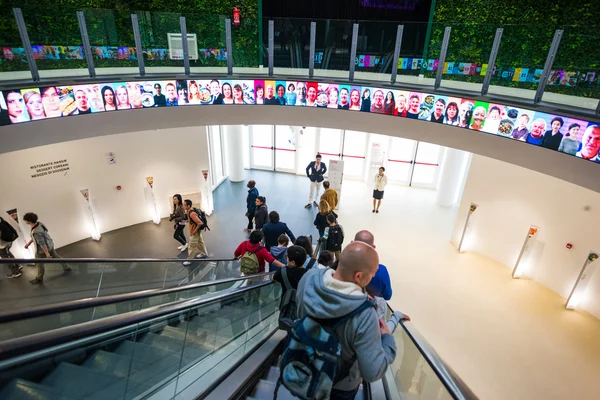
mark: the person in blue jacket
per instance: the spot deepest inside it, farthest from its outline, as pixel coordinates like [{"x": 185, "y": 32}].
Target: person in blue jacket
[
  {"x": 315, "y": 171},
  {"x": 380, "y": 285},
  {"x": 251, "y": 204},
  {"x": 274, "y": 228}
]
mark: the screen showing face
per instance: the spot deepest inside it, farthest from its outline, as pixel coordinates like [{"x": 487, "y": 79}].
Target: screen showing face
[{"x": 573, "y": 136}]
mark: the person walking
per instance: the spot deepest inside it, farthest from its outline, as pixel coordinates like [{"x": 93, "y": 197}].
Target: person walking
[
  {"x": 44, "y": 245},
  {"x": 178, "y": 216},
  {"x": 320, "y": 221},
  {"x": 334, "y": 236},
  {"x": 197, "y": 247},
  {"x": 275, "y": 228},
  {"x": 315, "y": 171},
  {"x": 379, "y": 183},
  {"x": 251, "y": 204},
  {"x": 330, "y": 195},
  {"x": 261, "y": 215},
  {"x": 8, "y": 235}
]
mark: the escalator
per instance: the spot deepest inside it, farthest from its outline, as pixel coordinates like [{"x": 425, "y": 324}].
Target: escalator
[{"x": 215, "y": 340}]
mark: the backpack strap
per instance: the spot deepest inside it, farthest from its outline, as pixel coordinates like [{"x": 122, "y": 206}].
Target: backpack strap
[
  {"x": 286, "y": 281},
  {"x": 336, "y": 322},
  {"x": 311, "y": 263}
]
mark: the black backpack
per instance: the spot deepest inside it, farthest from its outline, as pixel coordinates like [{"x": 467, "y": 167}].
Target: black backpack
[
  {"x": 7, "y": 232},
  {"x": 288, "y": 312},
  {"x": 203, "y": 218}
]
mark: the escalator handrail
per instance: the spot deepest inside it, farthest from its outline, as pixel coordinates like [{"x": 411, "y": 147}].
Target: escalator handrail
[
  {"x": 17, "y": 351},
  {"x": 105, "y": 260},
  {"x": 90, "y": 302},
  {"x": 457, "y": 388}
]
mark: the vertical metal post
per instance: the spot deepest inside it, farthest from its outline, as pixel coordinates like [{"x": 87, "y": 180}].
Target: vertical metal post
[
  {"x": 138, "y": 44},
  {"x": 35, "y": 76},
  {"x": 87, "y": 50},
  {"x": 271, "y": 44},
  {"x": 353, "y": 52},
  {"x": 184, "y": 46},
  {"x": 492, "y": 62},
  {"x": 397, "y": 52},
  {"x": 311, "y": 53},
  {"x": 440, "y": 69},
  {"x": 548, "y": 66},
  {"x": 228, "y": 46}
]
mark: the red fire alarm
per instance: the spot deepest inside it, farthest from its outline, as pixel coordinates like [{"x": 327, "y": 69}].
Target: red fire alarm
[
  {"x": 236, "y": 16},
  {"x": 569, "y": 246},
  {"x": 119, "y": 187}
]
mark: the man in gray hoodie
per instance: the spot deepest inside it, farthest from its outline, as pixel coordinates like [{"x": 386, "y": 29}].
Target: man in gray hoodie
[{"x": 366, "y": 340}]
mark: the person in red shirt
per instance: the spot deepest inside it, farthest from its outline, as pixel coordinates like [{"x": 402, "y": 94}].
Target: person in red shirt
[{"x": 263, "y": 255}]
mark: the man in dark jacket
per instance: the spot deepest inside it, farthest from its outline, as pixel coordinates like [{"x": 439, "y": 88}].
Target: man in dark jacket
[
  {"x": 274, "y": 228},
  {"x": 315, "y": 171},
  {"x": 251, "y": 203},
  {"x": 261, "y": 215}
]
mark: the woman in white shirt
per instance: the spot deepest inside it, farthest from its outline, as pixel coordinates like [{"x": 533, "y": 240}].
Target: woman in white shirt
[{"x": 378, "y": 186}]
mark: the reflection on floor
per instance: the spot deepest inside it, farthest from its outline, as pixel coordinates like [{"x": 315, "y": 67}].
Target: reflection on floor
[{"x": 508, "y": 339}]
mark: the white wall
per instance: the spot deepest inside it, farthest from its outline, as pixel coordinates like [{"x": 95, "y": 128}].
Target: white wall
[
  {"x": 174, "y": 157},
  {"x": 512, "y": 198}
]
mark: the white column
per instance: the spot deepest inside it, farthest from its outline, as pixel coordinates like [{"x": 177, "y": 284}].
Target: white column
[
  {"x": 234, "y": 151},
  {"x": 452, "y": 176}
]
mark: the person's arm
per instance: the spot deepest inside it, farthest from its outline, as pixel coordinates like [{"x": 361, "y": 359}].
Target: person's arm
[
  {"x": 277, "y": 276},
  {"x": 42, "y": 243},
  {"x": 343, "y": 235},
  {"x": 238, "y": 251},
  {"x": 198, "y": 223},
  {"x": 324, "y": 168},
  {"x": 290, "y": 234},
  {"x": 387, "y": 290},
  {"x": 316, "y": 221},
  {"x": 264, "y": 253},
  {"x": 374, "y": 350},
  {"x": 308, "y": 169}
]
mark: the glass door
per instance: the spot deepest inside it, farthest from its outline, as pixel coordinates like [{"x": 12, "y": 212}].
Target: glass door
[
  {"x": 354, "y": 153},
  {"x": 285, "y": 148},
  {"x": 261, "y": 145},
  {"x": 426, "y": 165},
  {"x": 329, "y": 144},
  {"x": 400, "y": 160}
]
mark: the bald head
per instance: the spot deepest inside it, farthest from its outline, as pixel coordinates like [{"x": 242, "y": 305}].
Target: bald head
[
  {"x": 358, "y": 264},
  {"x": 365, "y": 237}
]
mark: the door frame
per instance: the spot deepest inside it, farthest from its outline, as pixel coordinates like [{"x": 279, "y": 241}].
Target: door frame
[
  {"x": 261, "y": 167},
  {"x": 294, "y": 152}
]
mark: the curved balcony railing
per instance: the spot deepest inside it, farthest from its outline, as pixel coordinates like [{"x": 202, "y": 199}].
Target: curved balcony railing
[{"x": 539, "y": 64}]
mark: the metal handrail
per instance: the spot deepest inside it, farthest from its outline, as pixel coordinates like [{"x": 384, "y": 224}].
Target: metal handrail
[
  {"x": 85, "y": 332},
  {"x": 103, "y": 260},
  {"x": 104, "y": 300},
  {"x": 457, "y": 388}
]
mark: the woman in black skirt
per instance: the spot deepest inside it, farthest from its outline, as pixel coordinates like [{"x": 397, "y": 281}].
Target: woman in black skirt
[{"x": 378, "y": 186}]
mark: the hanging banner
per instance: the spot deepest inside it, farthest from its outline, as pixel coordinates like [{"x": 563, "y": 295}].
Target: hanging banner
[
  {"x": 336, "y": 177},
  {"x": 589, "y": 266},
  {"x": 94, "y": 232}
]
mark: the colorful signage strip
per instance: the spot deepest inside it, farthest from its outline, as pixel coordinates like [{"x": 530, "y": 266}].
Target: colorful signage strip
[{"x": 572, "y": 136}]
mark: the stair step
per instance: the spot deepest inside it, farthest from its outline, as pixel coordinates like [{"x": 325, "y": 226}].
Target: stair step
[
  {"x": 76, "y": 381},
  {"x": 273, "y": 374},
  {"x": 114, "y": 364},
  {"x": 19, "y": 389},
  {"x": 264, "y": 390}
]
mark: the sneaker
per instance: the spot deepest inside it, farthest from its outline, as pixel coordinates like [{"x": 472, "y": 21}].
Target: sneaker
[
  {"x": 373, "y": 210},
  {"x": 315, "y": 204},
  {"x": 202, "y": 256},
  {"x": 37, "y": 281},
  {"x": 377, "y": 211},
  {"x": 15, "y": 275},
  {"x": 20, "y": 268},
  {"x": 179, "y": 247},
  {"x": 307, "y": 206},
  {"x": 184, "y": 247},
  {"x": 68, "y": 269},
  {"x": 187, "y": 263}
]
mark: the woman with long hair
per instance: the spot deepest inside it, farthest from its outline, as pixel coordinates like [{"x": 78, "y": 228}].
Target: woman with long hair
[
  {"x": 321, "y": 217},
  {"x": 122, "y": 98},
  {"x": 355, "y": 100},
  {"x": 451, "y": 114},
  {"x": 33, "y": 102},
  {"x": 193, "y": 93},
  {"x": 238, "y": 94},
  {"x": 108, "y": 98},
  {"x": 306, "y": 243},
  {"x": 227, "y": 93},
  {"x": 333, "y": 96},
  {"x": 390, "y": 104},
  {"x": 182, "y": 92},
  {"x": 366, "y": 101},
  {"x": 178, "y": 216}
]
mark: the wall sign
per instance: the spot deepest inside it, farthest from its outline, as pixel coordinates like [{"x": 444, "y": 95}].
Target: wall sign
[
  {"x": 576, "y": 137},
  {"x": 49, "y": 168}
]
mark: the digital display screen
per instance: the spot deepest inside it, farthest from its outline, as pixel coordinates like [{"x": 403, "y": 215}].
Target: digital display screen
[{"x": 572, "y": 136}]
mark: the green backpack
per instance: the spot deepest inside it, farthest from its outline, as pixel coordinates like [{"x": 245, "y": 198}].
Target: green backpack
[{"x": 249, "y": 262}]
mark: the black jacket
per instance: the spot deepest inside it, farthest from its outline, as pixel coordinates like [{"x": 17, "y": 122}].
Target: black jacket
[
  {"x": 261, "y": 216},
  {"x": 313, "y": 174},
  {"x": 273, "y": 231}
]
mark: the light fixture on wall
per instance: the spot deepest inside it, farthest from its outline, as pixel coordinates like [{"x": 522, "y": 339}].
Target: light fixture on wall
[
  {"x": 578, "y": 291},
  {"x": 92, "y": 226},
  {"x": 524, "y": 260},
  {"x": 464, "y": 238},
  {"x": 155, "y": 215}
]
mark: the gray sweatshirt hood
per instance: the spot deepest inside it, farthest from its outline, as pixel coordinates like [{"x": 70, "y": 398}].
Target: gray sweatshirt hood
[{"x": 322, "y": 302}]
